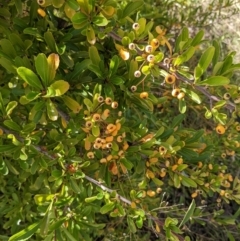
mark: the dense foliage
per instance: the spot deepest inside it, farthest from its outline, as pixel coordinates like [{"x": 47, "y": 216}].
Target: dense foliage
[{"x": 114, "y": 128}]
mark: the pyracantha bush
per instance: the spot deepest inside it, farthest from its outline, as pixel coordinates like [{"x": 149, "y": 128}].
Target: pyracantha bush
[{"x": 109, "y": 130}]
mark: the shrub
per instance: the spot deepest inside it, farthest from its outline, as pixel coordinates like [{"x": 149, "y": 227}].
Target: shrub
[{"x": 111, "y": 130}]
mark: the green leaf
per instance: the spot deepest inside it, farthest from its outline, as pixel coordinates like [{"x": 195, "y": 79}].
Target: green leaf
[
  {"x": 128, "y": 164},
  {"x": 68, "y": 235},
  {"x": 8, "y": 48},
  {"x": 114, "y": 63},
  {"x": 10, "y": 107},
  {"x": 49, "y": 39},
  {"x": 177, "y": 120},
  {"x": 215, "y": 81},
  {"x": 184, "y": 57},
  {"x": 12, "y": 125},
  {"x": 71, "y": 104},
  {"x": 116, "y": 80},
  {"x": 131, "y": 8},
  {"x": 197, "y": 39},
  {"x": 29, "y": 77},
  {"x": 79, "y": 20},
  {"x": 26, "y": 233},
  {"x": 7, "y": 148},
  {"x": 194, "y": 96},
  {"x": 182, "y": 106},
  {"x": 74, "y": 186},
  {"x": 91, "y": 38},
  {"x": 96, "y": 130},
  {"x": 189, "y": 213},
  {"x": 107, "y": 208},
  {"x": 216, "y": 45},
  {"x": 41, "y": 65},
  {"x": 131, "y": 225},
  {"x": 51, "y": 111},
  {"x": 188, "y": 182},
  {"x": 43, "y": 199},
  {"x": 100, "y": 21},
  {"x": 204, "y": 62},
  {"x": 94, "y": 56},
  {"x": 58, "y": 88},
  {"x": 8, "y": 65}
]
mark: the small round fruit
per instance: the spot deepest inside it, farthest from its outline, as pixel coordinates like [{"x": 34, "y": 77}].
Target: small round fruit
[
  {"x": 131, "y": 46},
  {"x": 135, "y": 26},
  {"x": 108, "y": 101},
  {"x": 154, "y": 43},
  {"x": 226, "y": 96},
  {"x": 170, "y": 79},
  {"x": 150, "y": 58},
  {"x": 144, "y": 95},
  {"x": 176, "y": 92},
  {"x": 181, "y": 95},
  {"x": 100, "y": 99},
  {"x": 41, "y": 12},
  {"x": 220, "y": 129},
  {"x": 137, "y": 74},
  {"x": 96, "y": 117},
  {"x": 133, "y": 88},
  {"x": 114, "y": 105},
  {"x": 148, "y": 49},
  {"x": 88, "y": 124}
]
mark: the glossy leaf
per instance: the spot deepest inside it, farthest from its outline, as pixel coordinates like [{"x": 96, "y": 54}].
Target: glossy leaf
[
  {"x": 71, "y": 104},
  {"x": 131, "y": 8},
  {"x": 215, "y": 81},
  {"x": 29, "y": 77},
  {"x": 26, "y": 233}
]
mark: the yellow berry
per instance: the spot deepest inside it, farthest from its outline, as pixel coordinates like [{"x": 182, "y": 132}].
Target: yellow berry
[
  {"x": 226, "y": 96},
  {"x": 170, "y": 79},
  {"x": 154, "y": 43},
  {"x": 174, "y": 167},
  {"x": 220, "y": 129},
  {"x": 41, "y": 12},
  {"x": 151, "y": 193},
  {"x": 144, "y": 95}
]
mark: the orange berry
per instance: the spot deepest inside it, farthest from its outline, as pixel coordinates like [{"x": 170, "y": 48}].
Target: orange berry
[
  {"x": 96, "y": 117},
  {"x": 119, "y": 139},
  {"x": 144, "y": 95},
  {"x": 108, "y": 101},
  {"x": 111, "y": 127},
  {"x": 220, "y": 129},
  {"x": 194, "y": 194},
  {"x": 170, "y": 79},
  {"x": 109, "y": 138},
  {"x": 174, "y": 167}
]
